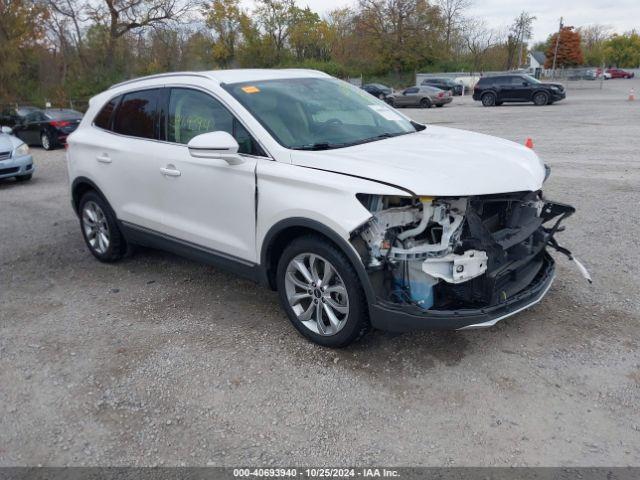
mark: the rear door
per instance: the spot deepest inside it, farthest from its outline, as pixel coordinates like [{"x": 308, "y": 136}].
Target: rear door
[
  {"x": 521, "y": 88},
  {"x": 131, "y": 157}
]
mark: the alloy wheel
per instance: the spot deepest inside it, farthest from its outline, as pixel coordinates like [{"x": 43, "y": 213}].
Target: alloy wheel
[
  {"x": 96, "y": 227},
  {"x": 317, "y": 294},
  {"x": 46, "y": 144}
]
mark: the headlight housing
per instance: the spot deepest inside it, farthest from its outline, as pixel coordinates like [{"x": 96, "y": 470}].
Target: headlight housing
[{"x": 22, "y": 149}]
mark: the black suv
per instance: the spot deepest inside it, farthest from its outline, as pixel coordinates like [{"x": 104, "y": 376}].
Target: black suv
[
  {"x": 516, "y": 88},
  {"x": 444, "y": 84}
]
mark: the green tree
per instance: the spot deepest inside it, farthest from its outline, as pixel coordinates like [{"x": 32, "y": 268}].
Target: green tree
[
  {"x": 624, "y": 50},
  {"x": 225, "y": 18}
]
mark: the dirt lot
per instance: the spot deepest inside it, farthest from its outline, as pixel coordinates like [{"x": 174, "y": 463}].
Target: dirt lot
[{"x": 160, "y": 361}]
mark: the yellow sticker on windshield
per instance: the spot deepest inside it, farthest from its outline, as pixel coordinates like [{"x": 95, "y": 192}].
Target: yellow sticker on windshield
[{"x": 250, "y": 89}]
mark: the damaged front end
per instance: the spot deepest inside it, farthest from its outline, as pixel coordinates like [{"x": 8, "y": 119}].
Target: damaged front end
[{"x": 458, "y": 262}]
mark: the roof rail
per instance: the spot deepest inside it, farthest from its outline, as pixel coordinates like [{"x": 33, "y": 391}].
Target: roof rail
[{"x": 160, "y": 75}]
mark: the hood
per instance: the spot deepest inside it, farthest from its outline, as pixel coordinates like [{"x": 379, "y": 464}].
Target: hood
[
  {"x": 8, "y": 142},
  {"x": 437, "y": 161},
  {"x": 551, "y": 84}
]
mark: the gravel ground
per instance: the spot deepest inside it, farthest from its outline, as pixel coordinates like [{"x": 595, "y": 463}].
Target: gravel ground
[{"x": 161, "y": 361}]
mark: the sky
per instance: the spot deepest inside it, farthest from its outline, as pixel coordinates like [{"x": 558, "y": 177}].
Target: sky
[{"x": 620, "y": 15}]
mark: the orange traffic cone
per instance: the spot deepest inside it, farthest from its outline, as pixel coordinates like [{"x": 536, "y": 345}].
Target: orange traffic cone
[
  {"x": 632, "y": 95},
  {"x": 529, "y": 143}
]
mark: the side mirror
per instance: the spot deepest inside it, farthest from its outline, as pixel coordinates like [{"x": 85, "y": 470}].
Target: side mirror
[
  {"x": 7, "y": 130},
  {"x": 219, "y": 145}
]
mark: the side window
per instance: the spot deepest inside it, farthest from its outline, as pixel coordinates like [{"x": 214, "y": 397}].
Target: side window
[
  {"x": 103, "y": 118},
  {"x": 192, "y": 113},
  {"x": 411, "y": 91},
  {"x": 136, "y": 115}
]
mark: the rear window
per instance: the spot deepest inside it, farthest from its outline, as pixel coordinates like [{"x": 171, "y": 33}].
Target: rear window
[
  {"x": 63, "y": 114},
  {"x": 103, "y": 119},
  {"x": 488, "y": 80},
  {"x": 136, "y": 115}
]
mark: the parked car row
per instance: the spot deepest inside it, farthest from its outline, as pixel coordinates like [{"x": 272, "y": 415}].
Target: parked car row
[
  {"x": 610, "y": 73},
  {"x": 47, "y": 128}
]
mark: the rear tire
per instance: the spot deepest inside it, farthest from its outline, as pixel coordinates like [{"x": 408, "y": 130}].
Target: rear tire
[
  {"x": 390, "y": 102},
  {"x": 540, "y": 99},
  {"x": 425, "y": 103},
  {"x": 100, "y": 228},
  {"x": 488, "y": 99},
  {"x": 440, "y": 106},
  {"x": 46, "y": 141},
  {"x": 338, "y": 299}
]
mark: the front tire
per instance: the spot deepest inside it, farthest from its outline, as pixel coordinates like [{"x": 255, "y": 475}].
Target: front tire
[
  {"x": 100, "y": 228},
  {"x": 488, "y": 99},
  {"x": 425, "y": 103},
  {"x": 540, "y": 99},
  {"x": 24, "y": 178},
  {"x": 321, "y": 292}
]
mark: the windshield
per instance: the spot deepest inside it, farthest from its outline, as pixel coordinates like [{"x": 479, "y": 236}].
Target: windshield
[
  {"x": 319, "y": 113},
  {"x": 531, "y": 79}
]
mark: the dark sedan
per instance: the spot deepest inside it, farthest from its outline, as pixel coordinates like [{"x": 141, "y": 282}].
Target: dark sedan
[
  {"x": 47, "y": 128},
  {"x": 14, "y": 115},
  {"x": 377, "y": 90},
  {"x": 446, "y": 84}
]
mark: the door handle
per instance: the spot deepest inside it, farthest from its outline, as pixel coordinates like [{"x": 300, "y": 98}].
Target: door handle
[
  {"x": 170, "y": 172},
  {"x": 104, "y": 158}
]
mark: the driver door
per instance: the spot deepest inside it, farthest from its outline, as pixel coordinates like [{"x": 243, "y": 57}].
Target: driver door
[
  {"x": 208, "y": 203},
  {"x": 408, "y": 97}
]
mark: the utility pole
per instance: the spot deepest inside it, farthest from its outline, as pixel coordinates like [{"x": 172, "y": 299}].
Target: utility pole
[{"x": 555, "y": 52}]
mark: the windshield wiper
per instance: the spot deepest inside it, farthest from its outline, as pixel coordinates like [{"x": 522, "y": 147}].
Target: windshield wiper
[
  {"x": 329, "y": 146},
  {"x": 320, "y": 146}
]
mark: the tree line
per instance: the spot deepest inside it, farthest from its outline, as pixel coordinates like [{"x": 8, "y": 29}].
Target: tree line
[{"x": 71, "y": 49}]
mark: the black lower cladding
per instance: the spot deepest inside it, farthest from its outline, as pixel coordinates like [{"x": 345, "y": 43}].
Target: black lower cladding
[
  {"x": 394, "y": 317},
  {"x": 511, "y": 229}
]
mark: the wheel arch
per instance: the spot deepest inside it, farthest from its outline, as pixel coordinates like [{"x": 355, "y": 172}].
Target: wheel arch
[
  {"x": 285, "y": 231},
  {"x": 79, "y": 187}
]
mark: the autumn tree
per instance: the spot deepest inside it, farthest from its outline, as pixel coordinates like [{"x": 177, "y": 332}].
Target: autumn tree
[
  {"x": 569, "y": 49},
  {"x": 21, "y": 27}
]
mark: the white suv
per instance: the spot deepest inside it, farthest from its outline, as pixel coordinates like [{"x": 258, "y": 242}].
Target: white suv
[{"x": 357, "y": 215}]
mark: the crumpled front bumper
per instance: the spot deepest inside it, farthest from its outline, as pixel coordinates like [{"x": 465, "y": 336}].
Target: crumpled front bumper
[{"x": 401, "y": 318}]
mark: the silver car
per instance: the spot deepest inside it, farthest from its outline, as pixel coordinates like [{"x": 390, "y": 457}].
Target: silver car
[
  {"x": 423, "y": 96},
  {"x": 15, "y": 159}
]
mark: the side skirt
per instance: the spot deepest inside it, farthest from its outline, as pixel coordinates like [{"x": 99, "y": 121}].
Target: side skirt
[{"x": 146, "y": 237}]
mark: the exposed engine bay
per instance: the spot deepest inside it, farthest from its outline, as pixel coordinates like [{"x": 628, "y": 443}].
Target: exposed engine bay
[{"x": 457, "y": 253}]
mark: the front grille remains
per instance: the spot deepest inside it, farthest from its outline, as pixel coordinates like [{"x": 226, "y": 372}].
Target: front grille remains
[{"x": 5, "y": 155}]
